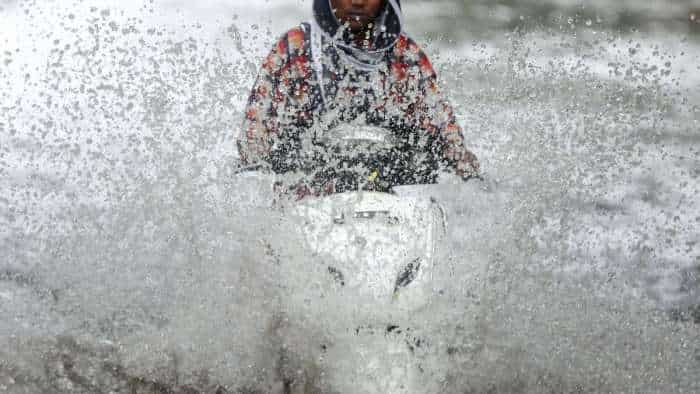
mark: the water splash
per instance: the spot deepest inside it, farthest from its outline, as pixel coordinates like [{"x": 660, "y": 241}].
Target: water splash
[{"x": 132, "y": 263}]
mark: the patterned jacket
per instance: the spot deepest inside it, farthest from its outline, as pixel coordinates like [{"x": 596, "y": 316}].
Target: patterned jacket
[{"x": 289, "y": 102}]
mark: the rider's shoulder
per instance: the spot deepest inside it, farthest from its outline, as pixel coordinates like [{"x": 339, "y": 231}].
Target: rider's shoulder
[
  {"x": 408, "y": 52},
  {"x": 296, "y": 39},
  {"x": 292, "y": 43},
  {"x": 406, "y": 46}
]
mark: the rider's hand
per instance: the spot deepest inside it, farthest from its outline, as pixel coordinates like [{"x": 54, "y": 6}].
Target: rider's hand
[{"x": 467, "y": 166}]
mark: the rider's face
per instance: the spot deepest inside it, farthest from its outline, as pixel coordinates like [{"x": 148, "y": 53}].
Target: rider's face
[{"x": 358, "y": 14}]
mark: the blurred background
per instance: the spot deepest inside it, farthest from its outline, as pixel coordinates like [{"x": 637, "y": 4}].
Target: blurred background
[{"x": 468, "y": 18}]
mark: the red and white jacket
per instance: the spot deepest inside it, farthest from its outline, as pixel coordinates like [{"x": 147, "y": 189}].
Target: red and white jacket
[{"x": 307, "y": 84}]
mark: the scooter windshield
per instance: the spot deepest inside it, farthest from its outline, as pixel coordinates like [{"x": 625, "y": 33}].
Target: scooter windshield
[
  {"x": 353, "y": 157},
  {"x": 369, "y": 137}
]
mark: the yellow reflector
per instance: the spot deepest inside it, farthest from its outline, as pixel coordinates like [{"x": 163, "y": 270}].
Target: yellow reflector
[{"x": 373, "y": 175}]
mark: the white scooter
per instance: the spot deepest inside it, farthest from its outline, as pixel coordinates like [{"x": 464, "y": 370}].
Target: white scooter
[{"x": 379, "y": 250}]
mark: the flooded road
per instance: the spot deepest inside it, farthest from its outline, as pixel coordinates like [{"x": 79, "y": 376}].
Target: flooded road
[{"x": 134, "y": 260}]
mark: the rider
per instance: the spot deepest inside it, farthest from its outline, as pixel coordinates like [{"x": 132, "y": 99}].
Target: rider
[{"x": 351, "y": 64}]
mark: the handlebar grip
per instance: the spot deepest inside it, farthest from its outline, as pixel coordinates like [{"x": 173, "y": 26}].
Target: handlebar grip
[
  {"x": 477, "y": 177},
  {"x": 250, "y": 168}
]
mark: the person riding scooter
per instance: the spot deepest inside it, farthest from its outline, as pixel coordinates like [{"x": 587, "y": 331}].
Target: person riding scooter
[{"x": 352, "y": 64}]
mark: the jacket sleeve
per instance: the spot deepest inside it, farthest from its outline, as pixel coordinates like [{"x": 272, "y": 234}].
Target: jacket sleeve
[
  {"x": 434, "y": 115},
  {"x": 261, "y": 121}
]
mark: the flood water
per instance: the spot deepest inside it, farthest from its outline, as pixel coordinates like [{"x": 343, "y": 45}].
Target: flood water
[{"x": 134, "y": 260}]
